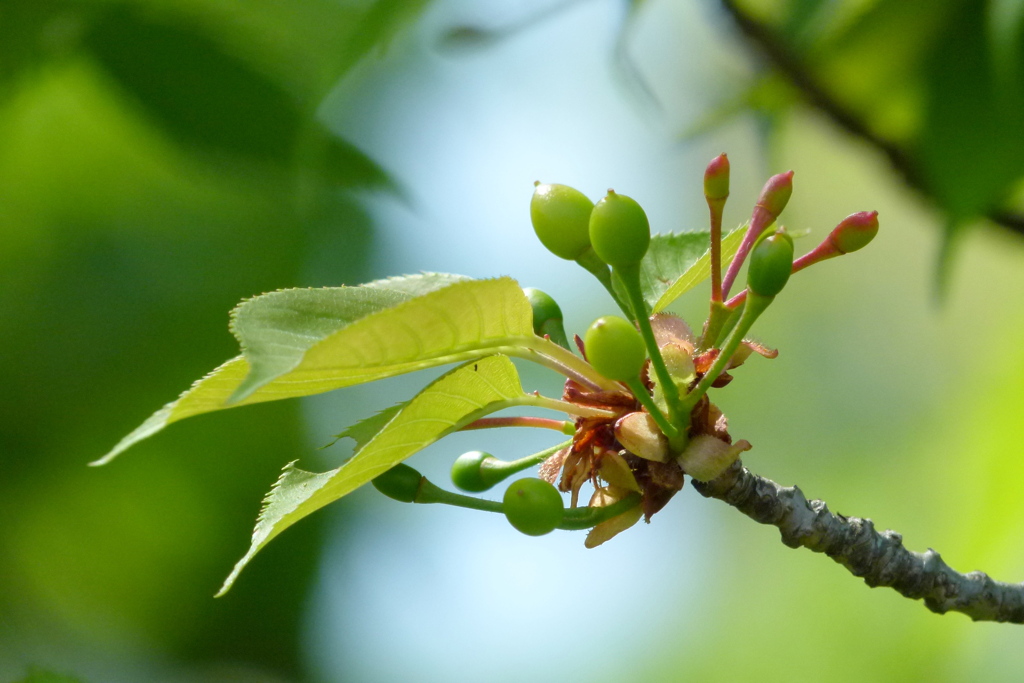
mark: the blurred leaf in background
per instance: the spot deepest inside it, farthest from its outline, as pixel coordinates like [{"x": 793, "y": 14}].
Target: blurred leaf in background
[
  {"x": 159, "y": 161},
  {"x": 935, "y": 86},
  {"x": 42, "y": 676}
]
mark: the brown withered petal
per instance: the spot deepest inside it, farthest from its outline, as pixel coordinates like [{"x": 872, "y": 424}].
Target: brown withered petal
[
  {"x": 608, "y": 529},
  {"x": 570, "y": 463},
  {"x": 575, "y": 393},
  {"x": 722, "y": 381},
  {"x": 575, "y": 473},
  {"x": 616, "y": 472},
  {"x": 665, "y": 481},
  {"x": 638, "y": 434},
  {"x": 719, "y": 424},
  {"x": 761, "y": 349},
  {"x": 604, "y": 496},
  {"x": 706, "y": 457},
  {"x": 745, "y": 349},
  {"x": 704, "y": 361},
  {"x": 701, "y": 421},
  {"x": 550, "y": 468}
]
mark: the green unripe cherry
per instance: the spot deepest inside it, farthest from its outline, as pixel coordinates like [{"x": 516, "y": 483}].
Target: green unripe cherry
[
  {"x": 615, "y": 348},
  {"x": 533, "y": 506},
  {"x": 561, "y": 218},
  {"x": 467, "y": 474},
  {"x": 547, "y": 316},
  {"x": 401, "y": 483},
  {"x": 619, "y": 230},
  {"x": 771, "y": 262}
]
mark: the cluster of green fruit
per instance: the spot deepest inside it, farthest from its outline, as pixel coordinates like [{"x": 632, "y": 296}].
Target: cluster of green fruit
[{"x": 610, "y": 239}]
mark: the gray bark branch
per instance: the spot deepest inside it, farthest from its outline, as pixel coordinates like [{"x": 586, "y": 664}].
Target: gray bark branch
[{"x": 877, "y": 557}]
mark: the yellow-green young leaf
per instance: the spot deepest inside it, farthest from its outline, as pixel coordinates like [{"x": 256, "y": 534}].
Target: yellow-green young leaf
[
  {"x": 308, "y": 342},
  {"x": 448, "y": 404},
  {"x": 275, "y": 330},
  {"x": 438, "y": 327},
  {"x": 699, "y": 270},
  {"x": 364, "y": 430}
]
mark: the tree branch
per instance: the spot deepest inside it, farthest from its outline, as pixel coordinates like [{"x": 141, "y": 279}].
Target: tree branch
[
  {"x": 879, "y": 558},
  {"x": 789, "y": 64}
]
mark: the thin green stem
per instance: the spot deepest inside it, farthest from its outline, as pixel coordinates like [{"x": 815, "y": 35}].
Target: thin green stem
[
  {"x": 573, "y": 519},
  {"x": 553, "y": 356},
  {"x": 754, "y": 308},
  {"x": 429, "y": 492},
  {"x": 730, "y": 322},
  {"x": 521, "y": 421},
  {"x": 716, "y": 319},
  {"x": 555, "y": 330},
  {"x": 576, "y": 519},
  {"x": 716, "y": 207},
  {"x": 630, "y": 277},
  {"x": 493, "y": 470},
  {"x": 564, "y": 406},
  {"x": 593, "y": 264},
  {"x": 640, "y": 391}
]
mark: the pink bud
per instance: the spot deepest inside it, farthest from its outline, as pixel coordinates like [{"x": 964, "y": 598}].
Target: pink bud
[
  {"x": 716, "y": 179},
  {"x": 776, "y": 193},
  {"x": 855, "y": 231},
  {"x": 774, "y": 196}
]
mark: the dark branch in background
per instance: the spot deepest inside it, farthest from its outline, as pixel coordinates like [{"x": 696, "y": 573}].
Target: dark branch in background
[
  {"x": 879, "y": 558},
  {"x": 780, "y": 57}
]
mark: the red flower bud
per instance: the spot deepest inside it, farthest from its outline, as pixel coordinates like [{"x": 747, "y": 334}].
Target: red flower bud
[
  {"x": 776, "y": 193},
  {"x": 774, "y": 196},
  {"x": 716, "y": 178},
  {"x": 855, "y": 231}
]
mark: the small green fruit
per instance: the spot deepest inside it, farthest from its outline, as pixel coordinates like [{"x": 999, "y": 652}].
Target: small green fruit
[
  {"x": 467, "y": 473},
  {"x": 533, "y": 506},
  {"x": 561, "y": 219},
  {"x": 547, "y": 316},
  {"x": 619, "y": 230},
  {"x": 771, "y": 262},
  {"x": 401, "y": 482},
  {"x": 615, "y": 348}
]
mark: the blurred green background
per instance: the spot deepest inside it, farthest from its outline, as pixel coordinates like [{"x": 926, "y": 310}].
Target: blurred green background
[{"x": 160, "y": 161}]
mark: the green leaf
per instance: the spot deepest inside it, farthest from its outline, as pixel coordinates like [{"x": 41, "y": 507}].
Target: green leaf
[
  {"x": 205, "y": 97},
  {"x": 448, "y": 404},
  {"x": 377, "y": 28},
  {"x": 364, "y": 430},
  {"x": 694, "y": 271},
  {"x": 275, "y": 330},
  {"x": 677, "y": 262},
  {"x": 36, "y": 675},
  {"x": 305, "y": 342},
  {"x": 442, "y": 326},
  {"x": 972, "y": 109},
  {"x": 201, "y": 94}
]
